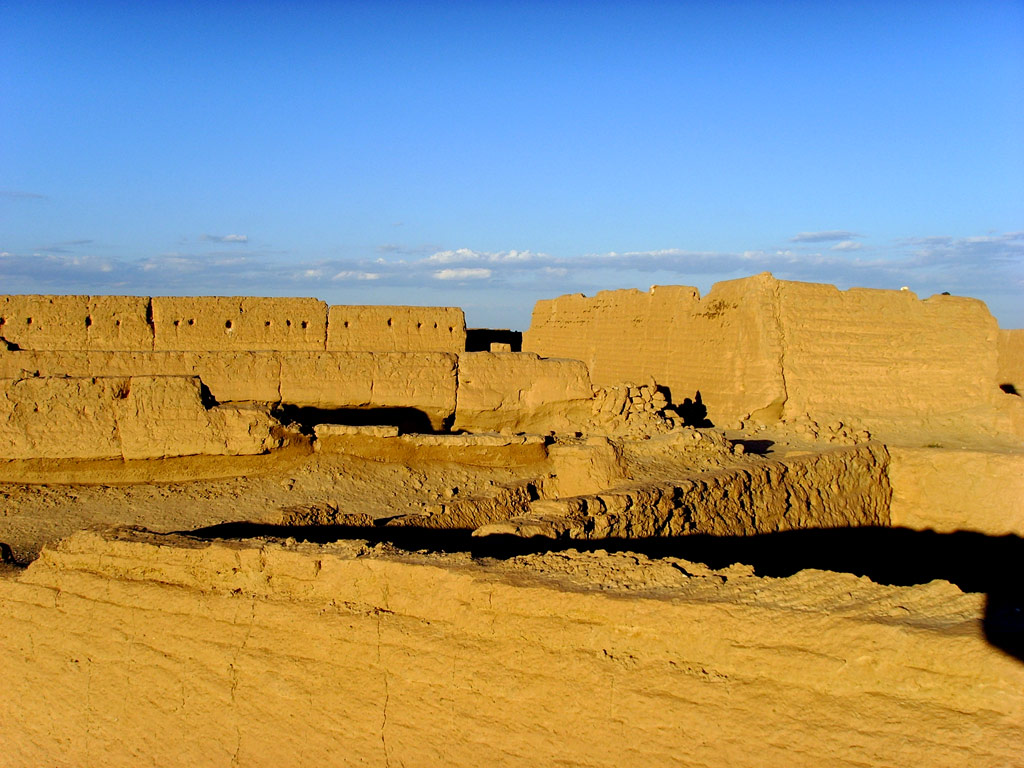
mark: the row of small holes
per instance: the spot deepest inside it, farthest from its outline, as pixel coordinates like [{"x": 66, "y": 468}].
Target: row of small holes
[
  {"x": 28, "y": 321},
  {"x": 227, "y": 324},
  {"x": 88, "y": 321},
  {"x": 177, "y": 323},
  {"x": 451, "y": 328}
]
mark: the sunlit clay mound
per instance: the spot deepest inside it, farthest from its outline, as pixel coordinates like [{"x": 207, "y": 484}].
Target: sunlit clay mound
[{"x": 776, "y": 525}]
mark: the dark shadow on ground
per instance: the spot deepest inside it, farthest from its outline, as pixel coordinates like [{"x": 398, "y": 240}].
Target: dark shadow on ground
[
  {"x": 693, "y": 412},
  {"x": 893, "y": 556},
  {"x": 480, "y": 339},
  {"x": 408, "y": 420},
  {"x": 759, "y": 447}
]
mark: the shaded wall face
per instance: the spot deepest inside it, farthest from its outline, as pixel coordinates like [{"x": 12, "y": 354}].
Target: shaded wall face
[{"x": 725, "y": 346}]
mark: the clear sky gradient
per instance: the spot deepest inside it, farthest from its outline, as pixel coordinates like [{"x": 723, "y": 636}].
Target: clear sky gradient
[{"x": 489, "y": 154}]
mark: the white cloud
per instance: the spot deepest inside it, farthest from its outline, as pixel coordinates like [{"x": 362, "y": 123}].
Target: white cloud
[
  {"x": 463, "y": 273},
  {"x": 461, "y": 255},
  {"x": 348, "y": 274},
  {"x": 825, "y": 236},
  {"x": 17, "y": 194},
  {"x": 847, "y": 245},
  {"x": 468, "y": 256},
  {"x": 225, "y": 238}
]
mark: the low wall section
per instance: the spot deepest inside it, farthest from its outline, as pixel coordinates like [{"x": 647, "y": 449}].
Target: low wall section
[
  {"x": 522, "y": 392},
  {"x": 328, "y": 380},
  {"x": 946, "y": 489},
  {"x": 132, "y": 417}
]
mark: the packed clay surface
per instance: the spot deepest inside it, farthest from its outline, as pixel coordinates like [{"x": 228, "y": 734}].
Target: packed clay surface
[
  {"x": 262, "y": 653},
  {"x": 779, "y": 524}
]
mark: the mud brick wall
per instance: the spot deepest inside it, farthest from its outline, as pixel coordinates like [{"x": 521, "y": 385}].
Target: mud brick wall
[
  {"x": 776, "y": 349},
  {"x": 426, "y": 381},
  {"x": 887, "y": 354},
  {"x": 76, "y": 322},
  {"x": 239, "y": 323},
  {"x": 396, "y": 329},
  {"x": 225, "y": 324},
  {"x": 726, "y": 345},
  {"x": 131, "y": 417}
]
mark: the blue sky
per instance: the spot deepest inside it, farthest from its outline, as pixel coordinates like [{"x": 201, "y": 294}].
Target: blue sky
[{"x": 489, "y": 154}]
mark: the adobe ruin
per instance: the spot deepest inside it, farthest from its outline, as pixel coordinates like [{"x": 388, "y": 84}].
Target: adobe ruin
[{"x": 767, "y": 526}]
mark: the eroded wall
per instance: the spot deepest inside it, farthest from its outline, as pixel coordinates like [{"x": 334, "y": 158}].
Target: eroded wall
[
  {"x": 519, "y": 391},
  {"x": 131, "y": 417},
  {"x": 327, "y": 380},
  {"x": 768, "y": 348},
  {"x": 205, "y": 323},
  {"x": 725, "y": 346},
  {"x": 180, "y": 652},
  {"x": 396, "y": 329},
  {"x": 838, "y": 488},
  {"x": 884, "y": 354},
  {"x": 76, "y": 322}
]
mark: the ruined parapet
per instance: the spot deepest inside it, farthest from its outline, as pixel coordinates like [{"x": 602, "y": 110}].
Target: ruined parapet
[
  {"x": 76, "y": 322},
  {"x": 134, "y": 417},
  {"x": 223, "y": 324},
  {"x": 212, "y": 323},
  {"x": 396, "y": 329}
]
